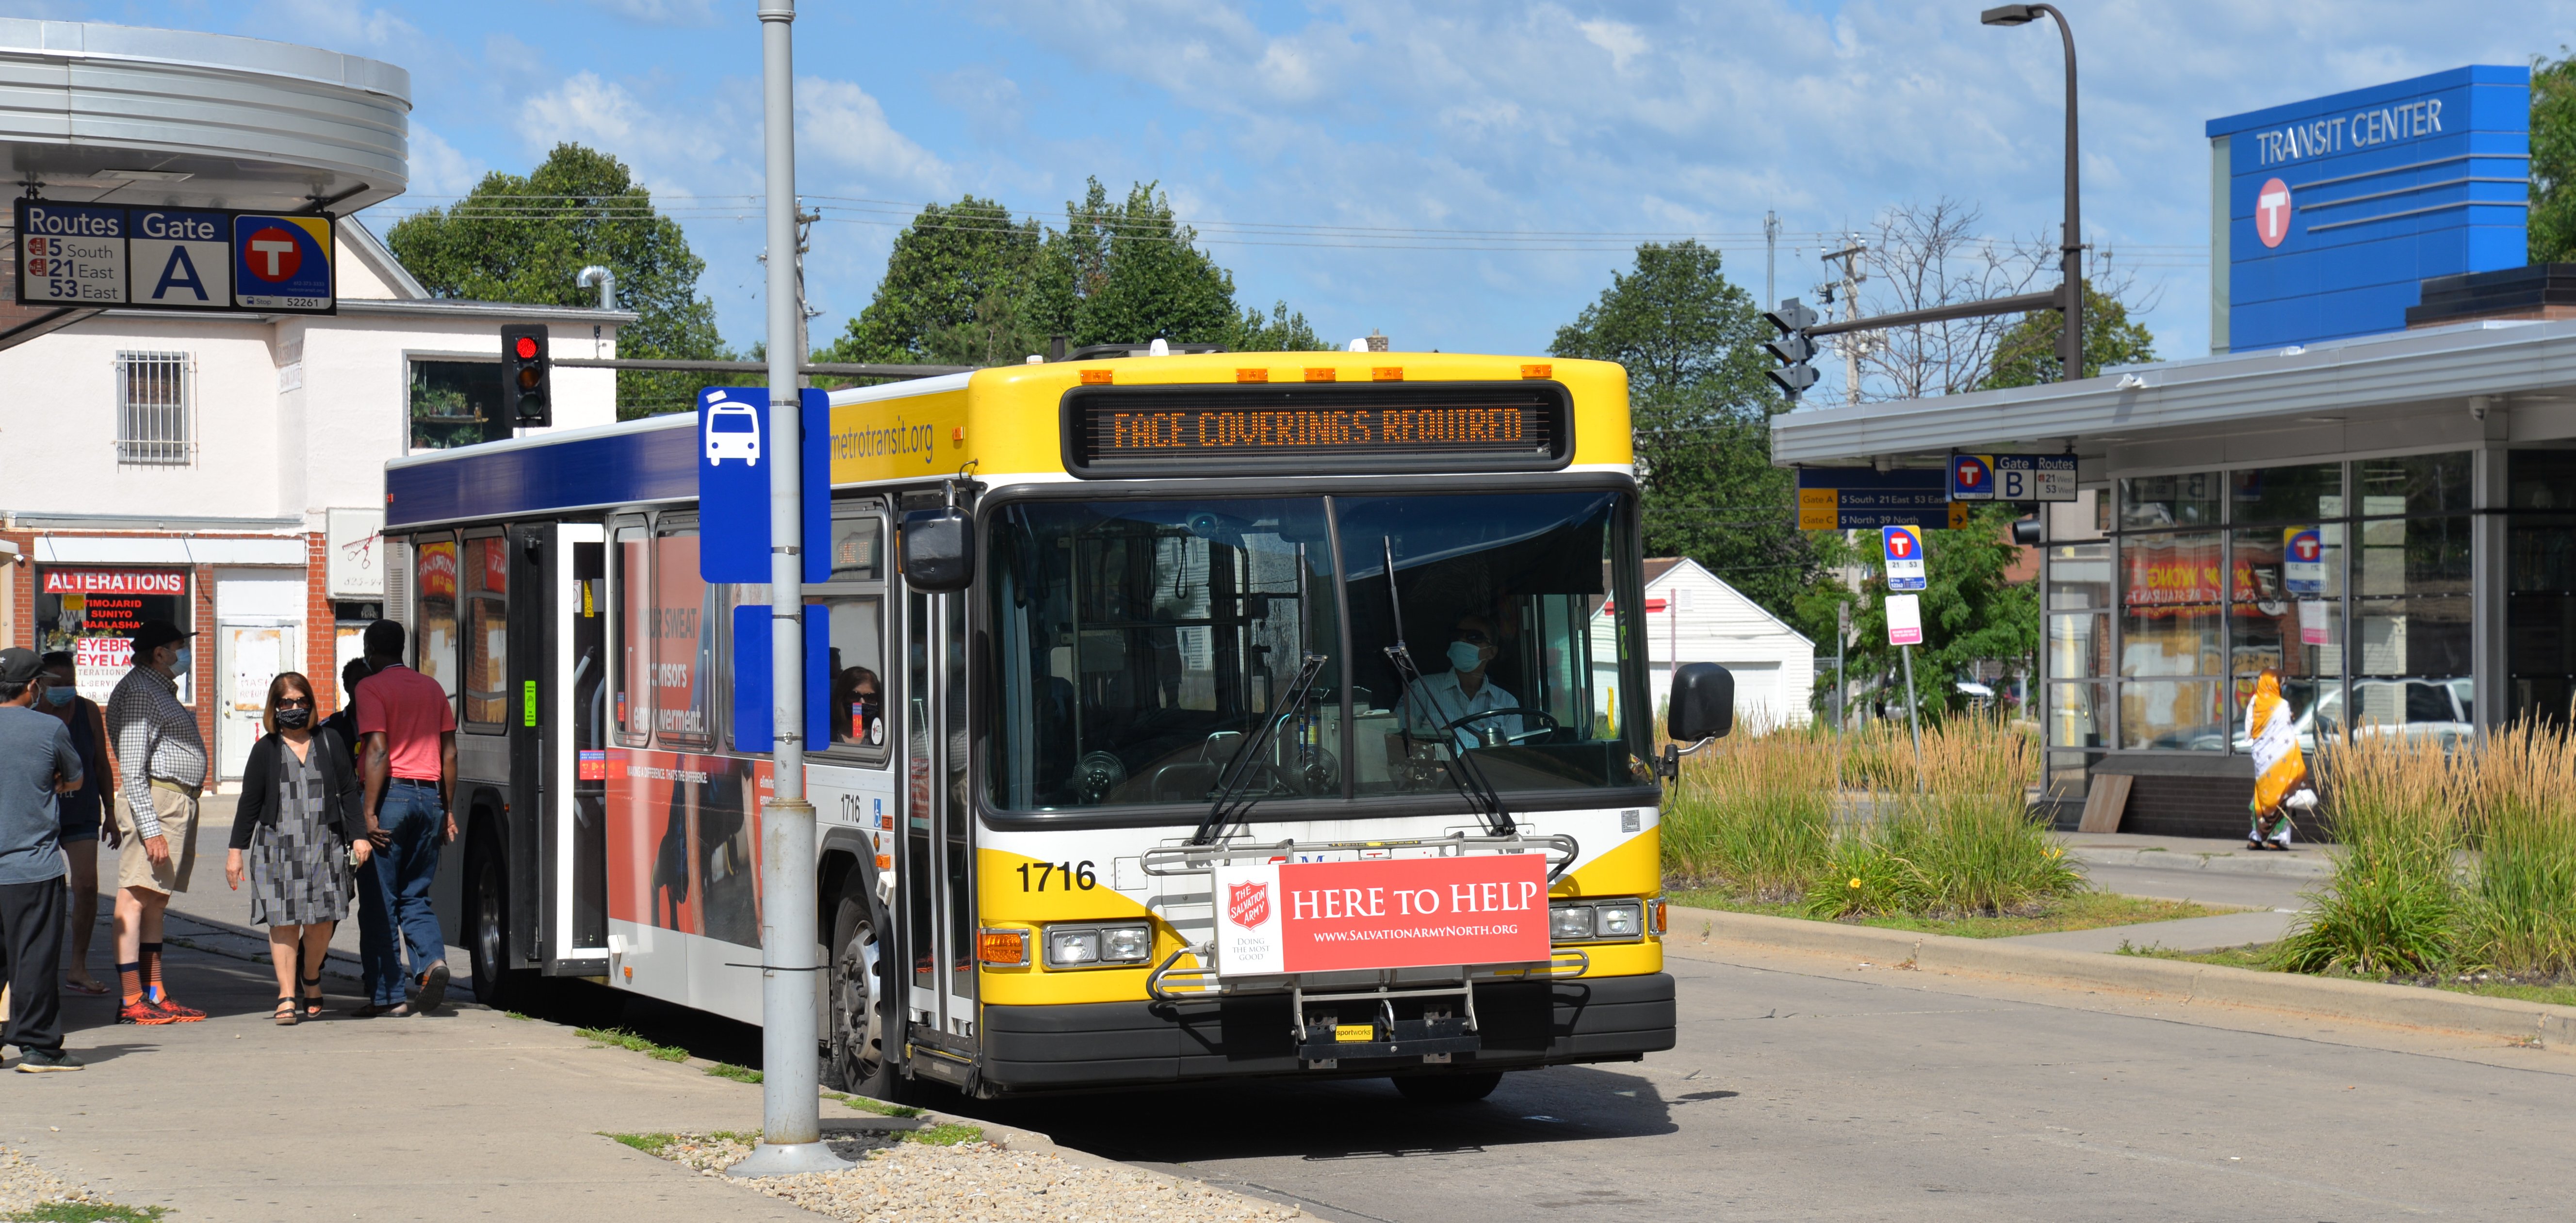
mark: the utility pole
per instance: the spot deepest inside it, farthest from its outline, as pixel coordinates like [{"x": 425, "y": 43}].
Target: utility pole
[
  {"x": 1851, "y": 342},
  {"x": 791, "y": 1125},
  {"x": 804, "y": 313},
  {"x": 1770, "y": 257}
]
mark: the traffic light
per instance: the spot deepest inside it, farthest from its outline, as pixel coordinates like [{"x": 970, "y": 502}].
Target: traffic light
[
  {"x": 527, "y": 396},
  {"x": 1793, "y": 347}
]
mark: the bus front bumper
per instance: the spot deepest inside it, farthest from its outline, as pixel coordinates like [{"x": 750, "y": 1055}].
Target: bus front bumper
[{"x": 1105, "y": 1044}]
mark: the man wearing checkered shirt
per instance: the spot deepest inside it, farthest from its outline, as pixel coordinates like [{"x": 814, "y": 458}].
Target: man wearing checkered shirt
[{"x": 161, "y": 767}]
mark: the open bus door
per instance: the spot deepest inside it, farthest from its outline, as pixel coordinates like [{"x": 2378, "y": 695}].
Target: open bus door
[
  {"x": 938, "y": 850},
  {"x": 572, "y": 901}
]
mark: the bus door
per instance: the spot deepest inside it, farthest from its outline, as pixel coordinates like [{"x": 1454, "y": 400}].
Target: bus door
[
  {"x": 938, "y": 851},
  {"x": 572, "y": 900}
]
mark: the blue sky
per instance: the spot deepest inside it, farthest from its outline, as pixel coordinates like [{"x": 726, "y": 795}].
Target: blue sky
[{"x": 1461, "y": 175}]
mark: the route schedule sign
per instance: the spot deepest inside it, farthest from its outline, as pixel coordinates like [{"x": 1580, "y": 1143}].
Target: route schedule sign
[{"x": 175, "y": 259}]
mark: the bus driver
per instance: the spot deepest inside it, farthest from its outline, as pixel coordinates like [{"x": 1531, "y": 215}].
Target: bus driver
[{"x": 1463, "y": 689}]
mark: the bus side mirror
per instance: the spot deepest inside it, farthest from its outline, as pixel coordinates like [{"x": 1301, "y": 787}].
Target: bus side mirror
[
  {"x": 1703, "y": 703},
  {"x": 936, "y": 549}
]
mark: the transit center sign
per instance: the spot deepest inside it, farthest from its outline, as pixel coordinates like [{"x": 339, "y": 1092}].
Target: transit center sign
[{"x": 1287, "y": 917}]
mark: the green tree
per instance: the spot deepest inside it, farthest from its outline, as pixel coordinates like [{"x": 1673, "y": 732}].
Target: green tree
[
  {"x": 1970, "y": 615},
  {"x": 522, "y": 239},
  {"x": 2553, "y": 158},
  {"x": 2027, "y": 353},
  {"x": 1701, "y": 413},
  {"x": 967, "y": 285},
  {"x": 956, "y": 291}
]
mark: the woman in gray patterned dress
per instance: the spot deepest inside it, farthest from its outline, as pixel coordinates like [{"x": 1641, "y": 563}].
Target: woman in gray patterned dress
[{"x": 296, "y": 835}]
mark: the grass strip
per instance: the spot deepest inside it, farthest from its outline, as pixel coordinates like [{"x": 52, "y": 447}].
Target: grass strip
[
  {"x": 739, "y": 1074},
  {"x": 2072, "y": 911},
  {"x": 879, "y": 1107},
  {"x": 2267, "y": 957},
  {"x": 86, "y": 1212},
  {"x": 948, "y": 1135},
  {"x": 624, "y": 1039}
]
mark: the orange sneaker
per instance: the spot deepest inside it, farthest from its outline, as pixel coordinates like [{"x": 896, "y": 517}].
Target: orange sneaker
[
  {"x": 145, "y": 1013},
  {"x": 180, "y": 1014}
]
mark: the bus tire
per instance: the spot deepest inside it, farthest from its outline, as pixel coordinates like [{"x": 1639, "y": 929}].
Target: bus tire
[
  {"x": 866, "y": 1024},
  {"x": 1448, "y": 1088},
  {"x": 487, "y": 932}
]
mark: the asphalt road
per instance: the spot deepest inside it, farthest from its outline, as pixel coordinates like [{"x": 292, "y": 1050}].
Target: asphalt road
[{"x": 1810, "y": 1089}]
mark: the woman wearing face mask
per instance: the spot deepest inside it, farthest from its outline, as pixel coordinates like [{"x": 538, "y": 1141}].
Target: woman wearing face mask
[
  {"x": 83, "y": 810},
  {"x": 301, "y": 829}
]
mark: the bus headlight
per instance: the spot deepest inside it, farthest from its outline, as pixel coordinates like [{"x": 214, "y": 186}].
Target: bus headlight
[
  {"x": 1569, "y": 923},
  {"x": 1098, "y": 946},
  {"x": 1596, "y": 921},
  {"x": 1619, "y": 919}
]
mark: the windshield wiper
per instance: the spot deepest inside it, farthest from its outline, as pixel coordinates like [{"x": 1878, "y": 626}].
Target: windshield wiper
[
  {"x": 1229, "y": 809},
  {"x": 1464, "y": 774}
]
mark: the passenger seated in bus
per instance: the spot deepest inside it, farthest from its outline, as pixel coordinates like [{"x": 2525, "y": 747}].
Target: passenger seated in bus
[
  {"x": 1444, "y": 697},
  {"x": 858, "y": 710}
]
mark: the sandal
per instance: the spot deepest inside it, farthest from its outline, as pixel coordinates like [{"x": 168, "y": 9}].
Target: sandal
[
  {"x": 285, "y": 1015},
  {"x": 313, "y": 1002}
]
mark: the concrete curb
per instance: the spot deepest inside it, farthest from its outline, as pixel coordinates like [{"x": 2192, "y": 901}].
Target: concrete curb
[
  {"x": 2551, "y": 1027},
  {"x": 2283, "y": 865}
]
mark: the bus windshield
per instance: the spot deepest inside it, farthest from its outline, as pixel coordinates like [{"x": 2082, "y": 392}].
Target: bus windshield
[{"x": 1141, "y": 645}]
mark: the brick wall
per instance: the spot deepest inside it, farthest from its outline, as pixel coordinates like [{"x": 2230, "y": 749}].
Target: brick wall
[{"x": 320, "y": 650}]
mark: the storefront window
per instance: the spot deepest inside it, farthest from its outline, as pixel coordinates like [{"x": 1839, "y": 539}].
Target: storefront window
[
  {"x": 2412, "y": 623},
  {"x": 2285, "y": 613},
  {"x": 93, "y": 613},
  {"x": 2150, "y": 502},
  {"x": 2171, "y": 625},
  {"x": 2302, "y": 494},
  {"x": 2540, "y": 584}
]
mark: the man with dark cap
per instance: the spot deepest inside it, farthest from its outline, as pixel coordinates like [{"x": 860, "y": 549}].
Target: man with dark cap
[
  {"x": 161, "y": 769},
  {"x": 37, "y": 762}
]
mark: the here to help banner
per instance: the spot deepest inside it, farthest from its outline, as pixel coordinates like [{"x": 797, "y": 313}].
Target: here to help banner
[{"x": 1284, "y": 917}]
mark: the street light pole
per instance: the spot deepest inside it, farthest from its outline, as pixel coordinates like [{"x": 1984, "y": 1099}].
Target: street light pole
[
  {"x": 791, "y": 1126},
  {"x": 2070, "y": 343}
]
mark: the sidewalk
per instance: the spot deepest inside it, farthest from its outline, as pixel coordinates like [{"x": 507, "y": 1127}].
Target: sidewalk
[{"x": 463, "y": 1113}]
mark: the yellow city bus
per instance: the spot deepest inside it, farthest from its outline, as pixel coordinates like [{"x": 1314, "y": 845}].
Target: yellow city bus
[{"x": 1340, "y": 651}]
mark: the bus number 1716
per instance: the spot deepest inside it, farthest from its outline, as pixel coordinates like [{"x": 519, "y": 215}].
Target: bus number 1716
[{"x": 1075, "y": 875}]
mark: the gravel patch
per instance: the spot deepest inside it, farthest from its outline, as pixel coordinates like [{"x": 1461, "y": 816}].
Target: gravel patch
[
  {"x": 24, "y": 1185},
  {"x": 911, "y": 1182}
]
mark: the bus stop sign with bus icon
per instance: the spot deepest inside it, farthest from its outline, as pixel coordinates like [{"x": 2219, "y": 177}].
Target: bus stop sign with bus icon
[{"x": 734, "y": 457}]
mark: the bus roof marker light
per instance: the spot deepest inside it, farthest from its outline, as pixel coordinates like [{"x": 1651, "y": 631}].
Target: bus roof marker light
[
  {"x": 1538, "y": 371},
  {"x": 1099, "y": 377},
  {"x": 1386, "y": 373},
  {"x": 1252, "y": 375},
  {"x": 1320, "y": 373}
]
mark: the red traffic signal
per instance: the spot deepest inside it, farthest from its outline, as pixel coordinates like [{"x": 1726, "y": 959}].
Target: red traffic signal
[
  {"x": 527, "y": 398},
  {"x": 526, "y": 347}
]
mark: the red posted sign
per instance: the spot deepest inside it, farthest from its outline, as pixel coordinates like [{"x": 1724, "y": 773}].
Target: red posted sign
[{"x": 1279, "y": 917}]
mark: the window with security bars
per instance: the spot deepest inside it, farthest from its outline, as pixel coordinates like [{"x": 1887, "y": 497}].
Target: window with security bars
[{"x": 154, "y": 403}]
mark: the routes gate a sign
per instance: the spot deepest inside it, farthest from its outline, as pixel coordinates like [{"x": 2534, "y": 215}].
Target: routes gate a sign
[{"x": 175, "y": 259}]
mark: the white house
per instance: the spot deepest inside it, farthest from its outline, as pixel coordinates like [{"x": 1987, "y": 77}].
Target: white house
[
  {"x": 226, "y": 471},
  {"x": 1694, "y": 616}
]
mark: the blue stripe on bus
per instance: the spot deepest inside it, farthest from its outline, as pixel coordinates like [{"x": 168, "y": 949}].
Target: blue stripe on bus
[{"x": 603, "y": 469}]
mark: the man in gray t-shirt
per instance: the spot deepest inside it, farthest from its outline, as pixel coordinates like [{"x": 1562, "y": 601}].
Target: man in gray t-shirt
[{"x": 37, "y": 762}]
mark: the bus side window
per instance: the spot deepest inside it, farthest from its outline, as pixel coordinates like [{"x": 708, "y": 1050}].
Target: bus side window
[
  {"x": 486, "y": 577},
  {"x": 681, "y": 636},
  {"x": 856, "y": 596},
  {"x": 434, "y": 632},
  {"x": 631, "y": 612}
]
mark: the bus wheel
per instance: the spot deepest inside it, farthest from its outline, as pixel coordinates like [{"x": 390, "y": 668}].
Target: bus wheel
[
  {"x": 488, "y": 905},
  {"x": 1448, "y": 1088},
  {"x": 863, "y": 1022}
]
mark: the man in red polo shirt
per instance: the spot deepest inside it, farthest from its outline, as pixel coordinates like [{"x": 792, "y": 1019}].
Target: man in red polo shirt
[{"x": 407, "y": 726}]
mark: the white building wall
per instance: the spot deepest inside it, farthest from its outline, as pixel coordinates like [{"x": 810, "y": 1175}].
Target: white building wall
[{"x": 1705, "y": 620}]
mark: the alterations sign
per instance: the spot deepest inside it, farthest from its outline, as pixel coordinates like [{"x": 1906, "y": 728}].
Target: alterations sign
[
  {"x": 175, "y": 259},
  {"x": 1284, "y": 917}
]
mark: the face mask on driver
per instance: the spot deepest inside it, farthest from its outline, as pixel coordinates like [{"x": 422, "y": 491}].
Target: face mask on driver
[{"x": 1464, "y": 656}]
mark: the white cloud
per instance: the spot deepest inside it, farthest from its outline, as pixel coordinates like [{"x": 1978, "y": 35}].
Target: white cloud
[
  {"x": 336, "y": 25},
  {"x": 437, "y": 169},
  {"x": 840, "y": 124},
  {"x": 1620, "y": 39},
  {"x": 661, "y": 12}
]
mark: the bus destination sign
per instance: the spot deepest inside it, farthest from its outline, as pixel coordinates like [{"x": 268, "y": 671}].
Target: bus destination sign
[{"x": 1209, "y": 431}]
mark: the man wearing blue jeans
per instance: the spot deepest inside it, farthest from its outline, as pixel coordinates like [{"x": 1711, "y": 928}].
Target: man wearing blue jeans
[{"x": 407, "y": 726}]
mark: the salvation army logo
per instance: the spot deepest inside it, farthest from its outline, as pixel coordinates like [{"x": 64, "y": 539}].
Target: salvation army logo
[
  {"x": 2272, "y": 212},
  {"x": 1247, "y": 904}
]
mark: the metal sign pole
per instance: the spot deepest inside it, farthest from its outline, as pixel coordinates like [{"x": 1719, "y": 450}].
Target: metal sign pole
[
  {"x": 791, "y": 1118},
  {"x": 1913, "y": 715}
]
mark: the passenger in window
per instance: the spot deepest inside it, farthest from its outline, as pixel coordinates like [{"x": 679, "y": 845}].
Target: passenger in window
[
  {"x": 858, "y": 708},
  {"x": 1442, "y": 699}
]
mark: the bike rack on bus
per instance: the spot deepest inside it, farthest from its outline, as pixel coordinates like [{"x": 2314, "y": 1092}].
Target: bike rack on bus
[{"x": 1431, "y": 1037}]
